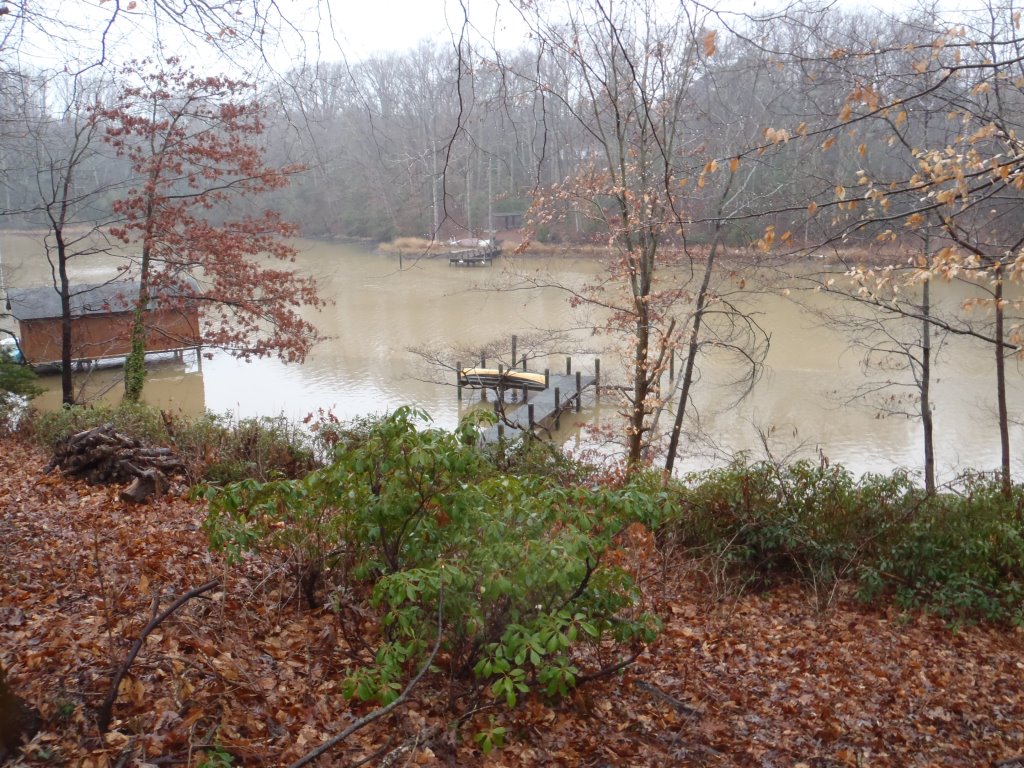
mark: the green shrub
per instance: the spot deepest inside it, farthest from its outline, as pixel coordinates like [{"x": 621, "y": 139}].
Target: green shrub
[
  {"x": 17, "y": 385},
  {"x": 536, "y": 458},
  {"x": 799, "y": 519},
  {"x": 215, "y": 448},
  {"x": 508, "y": 569},
  {"x": 139, "y": 421},
  {"x": 960, "y": 555}
]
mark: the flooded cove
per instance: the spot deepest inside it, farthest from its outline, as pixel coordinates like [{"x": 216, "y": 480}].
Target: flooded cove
[{"x": 381, "y": 311}]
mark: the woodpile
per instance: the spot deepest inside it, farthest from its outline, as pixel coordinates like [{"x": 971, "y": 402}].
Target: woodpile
[{"x": 103, "y": 455}]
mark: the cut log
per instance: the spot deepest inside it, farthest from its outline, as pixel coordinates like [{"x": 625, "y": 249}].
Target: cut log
[{"x": 151, "y": 482}]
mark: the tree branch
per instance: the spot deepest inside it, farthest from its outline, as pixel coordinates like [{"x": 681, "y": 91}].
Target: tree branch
[{"x": 108, "y": 704}]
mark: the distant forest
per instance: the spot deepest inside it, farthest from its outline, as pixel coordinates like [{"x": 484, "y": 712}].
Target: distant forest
[{"x": 444, "y": 141}]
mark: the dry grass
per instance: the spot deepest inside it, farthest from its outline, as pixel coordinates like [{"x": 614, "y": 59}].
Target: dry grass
[
  {"x": 512, "y": 243},
  {"x": 410, "y": 245}
]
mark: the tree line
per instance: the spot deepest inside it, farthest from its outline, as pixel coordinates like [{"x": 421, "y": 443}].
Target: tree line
[
  {"x": 664, "y": 134},
  {"x": 443, "y": 137}
]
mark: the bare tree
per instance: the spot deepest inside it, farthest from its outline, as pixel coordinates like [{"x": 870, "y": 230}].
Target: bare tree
[
  {"x": 71, "y": 199},
  {"x": 933, "y": 111},
  {"x": 623, "y": 76}
]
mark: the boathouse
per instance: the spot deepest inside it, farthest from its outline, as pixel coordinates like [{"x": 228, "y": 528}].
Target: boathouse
[{"x": 101, "y": 321}]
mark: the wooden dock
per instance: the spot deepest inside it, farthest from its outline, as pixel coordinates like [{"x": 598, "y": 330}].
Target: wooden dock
[
  {"x": 540, "y": 399},
  {"x": 474, "y": 257}
]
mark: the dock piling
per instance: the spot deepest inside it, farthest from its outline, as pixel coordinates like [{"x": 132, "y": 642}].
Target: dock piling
[
  {"x": 568, "y": 366},
  {"x": 558, "y": 407},
  {"x": 513, "y": 364},
  {"x": 579, "y": 390},
  {"x": 483, "y": 364},
  {"x": 458, "y": 379}
]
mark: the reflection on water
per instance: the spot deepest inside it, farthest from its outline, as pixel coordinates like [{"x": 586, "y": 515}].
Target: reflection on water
[
  {"x": 173, "y": 384},
  {"x": 800, "y": 407}
]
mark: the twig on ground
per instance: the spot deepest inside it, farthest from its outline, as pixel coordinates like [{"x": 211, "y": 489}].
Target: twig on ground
[
  {"x": 106, "y": 710},
  {"x": 607, "y": 670},
  {"x": 680, "y": 706},
  {"x": 378, "y": 713}
]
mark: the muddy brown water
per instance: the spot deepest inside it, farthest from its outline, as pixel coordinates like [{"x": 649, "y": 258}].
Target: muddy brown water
[{"x": 381, "y": 311}]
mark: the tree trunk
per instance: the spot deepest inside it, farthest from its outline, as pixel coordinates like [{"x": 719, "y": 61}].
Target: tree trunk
[
  {"x": 641, "y": 258},
  {"x": 135, "y": 362},
  {"x": 691, "y": 354},
  {"x": 1004, "y": 419},
  {"x": 926, "y": 380},
  {"x": 641, "y": 388},
  {"x": 67, "y": 385},
  {"x": 686, "y": 383}
]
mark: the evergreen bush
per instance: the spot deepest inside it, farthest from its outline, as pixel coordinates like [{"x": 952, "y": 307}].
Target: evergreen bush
[{"x": 509, "y": 569}]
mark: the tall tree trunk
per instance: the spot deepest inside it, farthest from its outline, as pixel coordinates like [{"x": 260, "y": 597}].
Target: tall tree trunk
[
  {"x": 1004, "y": 419},
  {"x": 692, "y": 348},
  {"x": 641, "y": 387},
  {"x": 135, "y": 362},
  {"x": 926, "y": 380},
  {"x": 435, "y": 201},
  {"x": 67, "y": 384}
]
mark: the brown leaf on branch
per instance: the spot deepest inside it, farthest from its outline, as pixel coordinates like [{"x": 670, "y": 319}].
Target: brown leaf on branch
[{"x": 709, "y": 43}]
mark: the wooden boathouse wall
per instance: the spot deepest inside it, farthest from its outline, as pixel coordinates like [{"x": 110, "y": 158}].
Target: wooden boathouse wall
[{"x": 101, "y": 330}]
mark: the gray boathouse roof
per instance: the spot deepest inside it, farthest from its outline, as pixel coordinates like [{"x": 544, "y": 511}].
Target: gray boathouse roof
[{"x": 86, "y": 299}]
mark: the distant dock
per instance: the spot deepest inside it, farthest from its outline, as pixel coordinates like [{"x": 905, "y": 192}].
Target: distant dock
[
  {"x": 481, "y": 256},
  {"x": 539, "y": 399}
]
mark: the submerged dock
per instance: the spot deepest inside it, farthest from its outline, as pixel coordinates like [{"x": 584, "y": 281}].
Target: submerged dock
[
  {"x": 537, "y": 399},
  {"x": 474, "y": 257}
]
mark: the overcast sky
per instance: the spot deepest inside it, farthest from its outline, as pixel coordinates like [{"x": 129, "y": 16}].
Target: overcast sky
[
  {"x": 60, "y": 33},
  {"x": 330, "y": 29},
  {"x": 355, "y": 29}
]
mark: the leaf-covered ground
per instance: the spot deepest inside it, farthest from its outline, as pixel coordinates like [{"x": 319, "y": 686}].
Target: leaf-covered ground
[{"x": 769, "y": 679}]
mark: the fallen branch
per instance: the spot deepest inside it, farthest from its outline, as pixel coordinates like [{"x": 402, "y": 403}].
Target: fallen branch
[
  {"x": 378, "y": 713},
  {"x": 106, "y": 710},
  {"x": 679, "y": 706},
  {"x": 384, "y": 750},
  {"x": 606, "y": 671},
  {"x": 401, "y": 754}
]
